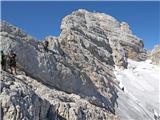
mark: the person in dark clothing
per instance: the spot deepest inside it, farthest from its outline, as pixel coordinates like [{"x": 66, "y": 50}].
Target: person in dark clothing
[
  {"x": 3, "y": 61},
  {"x": 46, "y": 43},
  {"x": 12, "y": 62},
  {"x": 123, "y": 89}
]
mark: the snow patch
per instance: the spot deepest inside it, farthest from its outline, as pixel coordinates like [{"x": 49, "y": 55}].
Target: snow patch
[{"x": 141, "y": 82}]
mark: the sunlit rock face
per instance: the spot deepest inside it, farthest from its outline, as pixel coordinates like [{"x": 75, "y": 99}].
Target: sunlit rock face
[
  {"x": 104, "y": 31},
  {"x": 80, "y": 63},
  {"x": 25, "y": 98},
  {"x": 154, "y": 55}
]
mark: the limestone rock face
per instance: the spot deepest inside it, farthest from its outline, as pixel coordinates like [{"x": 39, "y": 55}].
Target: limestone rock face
[
  {"x": 24, "y": 98},
  {"x": 103, "y": 30},
  {"x": 125, "y": 27},
  {"x": 70, "y": 67},
  {"x": 155, "y": 55},
  {"x": 19, "y": 101},
  {"x": 80, "y": 61},
  {"x": 68, "y": 106}
]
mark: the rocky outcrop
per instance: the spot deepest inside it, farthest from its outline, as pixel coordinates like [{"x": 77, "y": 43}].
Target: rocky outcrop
[
  {"x": 68, "y": 106},
  {"x": 104, "y": 31},
  {"x": 77, "y": 73},
  {"x": 20, "y": 102},
  {"x": 125, "y": 27},
  {"x": 24, "y": 98},
  {"x": 154, "y": 55},
  {"x": 69, "y": 67}
]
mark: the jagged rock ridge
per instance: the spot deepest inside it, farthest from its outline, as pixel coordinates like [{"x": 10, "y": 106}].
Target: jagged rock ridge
[{"x": 80, "y": 61}]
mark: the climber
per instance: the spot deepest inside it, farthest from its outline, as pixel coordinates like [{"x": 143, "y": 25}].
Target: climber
[
  {"x": 122, "y": 89},
  {"x": 121, "y": 86},
  {"x": 12, "y": 62},
  {"x": 45, "y": 45},
  {"x": 3, "y": 60}
]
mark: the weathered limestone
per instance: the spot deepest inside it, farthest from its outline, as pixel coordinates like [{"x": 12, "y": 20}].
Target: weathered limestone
[{"x": 80, "y": 61}]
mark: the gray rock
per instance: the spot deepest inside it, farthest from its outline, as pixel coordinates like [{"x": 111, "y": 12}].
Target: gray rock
[
  {"x": 154, "y": 55},
  {"x": 65, "y": 67},
  {"x": 80, "y": 63},
  {"x": 20, "y": 102},
  {"x": 31, "y": 100}
]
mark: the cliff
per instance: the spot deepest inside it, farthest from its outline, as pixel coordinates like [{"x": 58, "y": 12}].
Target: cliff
[{"x": 76, "y": 76}]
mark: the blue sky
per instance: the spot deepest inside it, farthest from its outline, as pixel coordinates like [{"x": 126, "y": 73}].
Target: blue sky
[{"x": 41, "y": 19}]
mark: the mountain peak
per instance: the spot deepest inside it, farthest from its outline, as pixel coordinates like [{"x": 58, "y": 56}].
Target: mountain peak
[{"x": 79, "y": 65}]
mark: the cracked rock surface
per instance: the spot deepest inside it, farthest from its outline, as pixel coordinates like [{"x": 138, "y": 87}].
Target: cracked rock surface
[{"x": 75, "y": 79}]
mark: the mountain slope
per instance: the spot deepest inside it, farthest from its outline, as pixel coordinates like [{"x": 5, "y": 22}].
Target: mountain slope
[
  {"x": 80, "y": 63},
  {"x": 141, "y": 83},
  {"x": 24, "y": 98}
]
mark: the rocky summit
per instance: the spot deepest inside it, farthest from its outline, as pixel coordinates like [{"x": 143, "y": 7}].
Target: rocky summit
[{"x": 75, "y": 79}]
